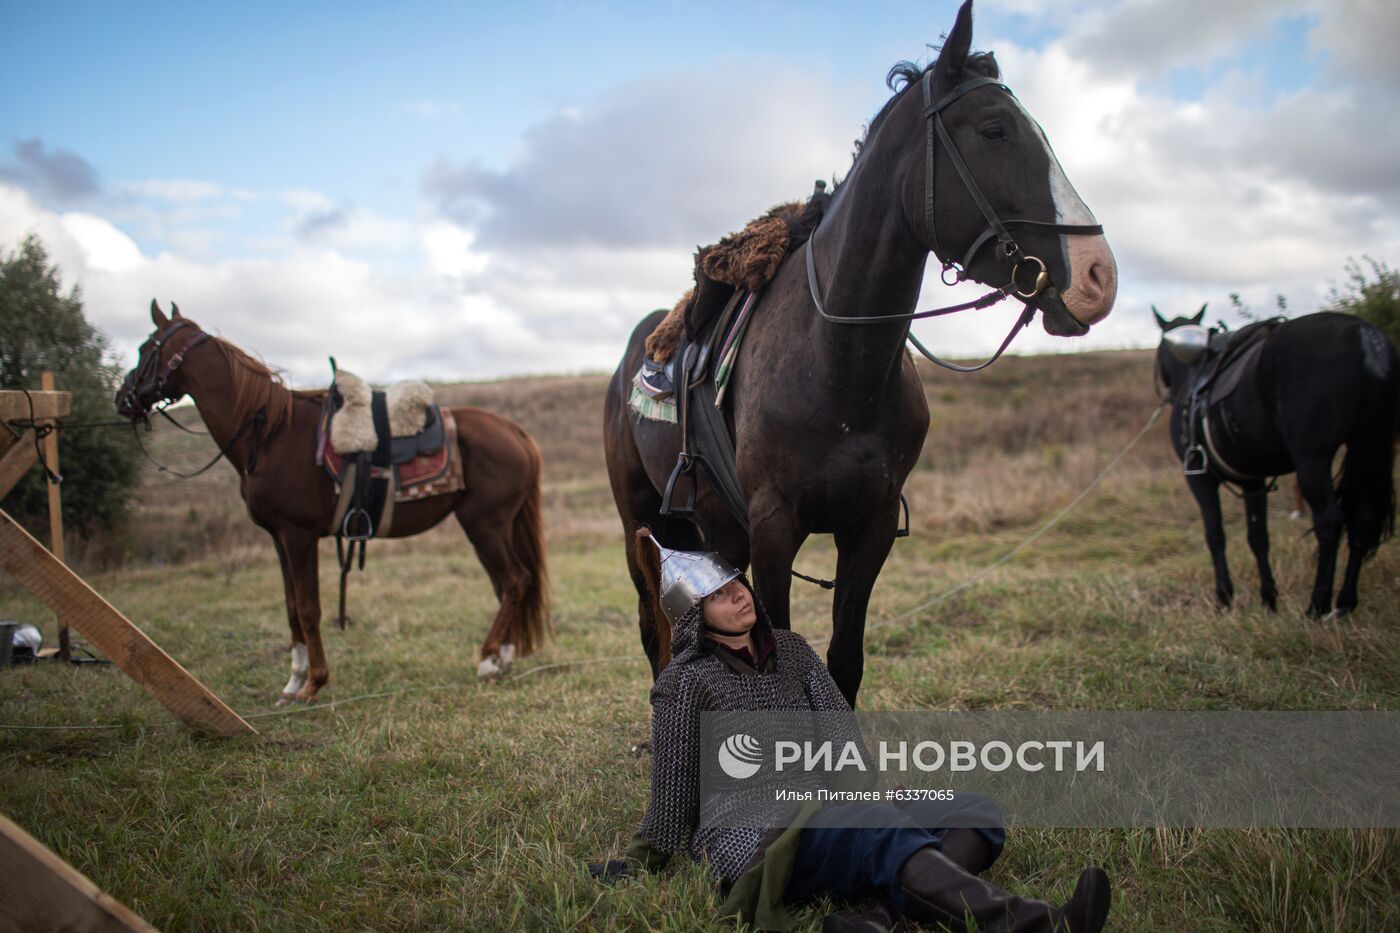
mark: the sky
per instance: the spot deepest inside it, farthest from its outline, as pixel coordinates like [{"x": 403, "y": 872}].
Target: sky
[{"x": 475, "y": 190}]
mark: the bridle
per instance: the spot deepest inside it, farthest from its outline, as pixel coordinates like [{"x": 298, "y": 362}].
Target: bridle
[
  {"x": 1008, "y": 250},
  {"x": 149, "y": 378}
]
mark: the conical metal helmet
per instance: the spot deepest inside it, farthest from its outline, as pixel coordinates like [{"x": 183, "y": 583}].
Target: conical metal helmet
[
  {"x": 688, "y": 577},
  {"x": 1188, "y": 342}
]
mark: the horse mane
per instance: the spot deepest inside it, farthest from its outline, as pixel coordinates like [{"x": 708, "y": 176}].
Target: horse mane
[
  {"x": 257, "y": 386},
  {"x": 905, "y": 75}
]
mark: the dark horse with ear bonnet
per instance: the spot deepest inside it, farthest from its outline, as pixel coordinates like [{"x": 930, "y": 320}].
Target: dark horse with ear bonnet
[
  {"x": 1318, "y": 382},
  {"x": 829, "y": 419}
]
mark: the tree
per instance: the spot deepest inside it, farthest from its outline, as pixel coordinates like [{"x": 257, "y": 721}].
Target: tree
[
  {"x": 42, "y": 329},
  {"x": 1372, "y": 292}
]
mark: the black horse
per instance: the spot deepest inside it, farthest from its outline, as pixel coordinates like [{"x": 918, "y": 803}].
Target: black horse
[
  {"x": 1312, "y": 385},
  {"x": 828, "y": 418}
]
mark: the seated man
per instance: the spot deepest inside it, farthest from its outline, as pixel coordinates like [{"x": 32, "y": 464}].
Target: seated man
[{"x": 727, "y": 656}]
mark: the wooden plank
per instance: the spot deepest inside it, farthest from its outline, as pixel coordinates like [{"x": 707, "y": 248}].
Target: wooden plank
[
  {"x": 41, "y": 892},
  {"x": 55, "y": 512},
  {"x": 16, "y": 462},
  {"x": 14, "y": 405},
  {"x": 131, "y": 649}
]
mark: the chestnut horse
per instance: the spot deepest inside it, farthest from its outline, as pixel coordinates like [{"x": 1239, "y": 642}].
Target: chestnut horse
[{"x": 269, "y": 434}]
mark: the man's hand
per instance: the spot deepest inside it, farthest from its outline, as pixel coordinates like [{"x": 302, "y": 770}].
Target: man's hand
[{"x": 610, "y": 872}]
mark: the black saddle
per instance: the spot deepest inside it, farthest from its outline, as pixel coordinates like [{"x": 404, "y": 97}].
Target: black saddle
[
  {"x": 425, "y": 443},
  {"x": 1231, "y": 357}
]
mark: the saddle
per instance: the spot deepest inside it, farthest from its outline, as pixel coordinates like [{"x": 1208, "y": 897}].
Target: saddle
[
  {"x": 1231, "y": 357},
  {"x": 382, "y": 447}
]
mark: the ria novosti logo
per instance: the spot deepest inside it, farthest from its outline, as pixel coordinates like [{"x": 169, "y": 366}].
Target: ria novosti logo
[{"x": 740, "y": 756}]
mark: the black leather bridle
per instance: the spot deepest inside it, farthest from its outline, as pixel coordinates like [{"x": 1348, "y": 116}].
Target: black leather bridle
[
  {"x": 149, "y": 378},
  {"x": 1008, "y": 250}
]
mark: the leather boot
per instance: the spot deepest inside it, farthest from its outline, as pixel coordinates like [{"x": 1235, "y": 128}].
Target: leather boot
[
  {"x": 936, "y": 890},
  {"x": 879, "y": 919}
]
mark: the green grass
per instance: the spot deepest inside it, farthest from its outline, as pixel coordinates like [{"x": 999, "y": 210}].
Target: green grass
[{"x": 452, "y": 803}]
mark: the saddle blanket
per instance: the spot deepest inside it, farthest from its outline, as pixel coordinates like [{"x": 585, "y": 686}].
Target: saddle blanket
[{"x": 423, "y": 477}]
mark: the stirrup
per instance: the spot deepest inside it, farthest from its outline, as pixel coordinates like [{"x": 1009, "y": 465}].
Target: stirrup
[
  {"x": 685, "y": 466},
  {"x": 1195, "y": 463},
  {"x": 364, "y": 521}
]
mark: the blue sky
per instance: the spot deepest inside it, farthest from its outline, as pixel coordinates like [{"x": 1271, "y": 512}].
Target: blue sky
[{"x": 286, "y": 171}]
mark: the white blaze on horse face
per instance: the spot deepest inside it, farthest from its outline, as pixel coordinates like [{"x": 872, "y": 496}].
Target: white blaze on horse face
[
  {"x": 1093, "y": 273},
  {"x": 301, "y": 667}
]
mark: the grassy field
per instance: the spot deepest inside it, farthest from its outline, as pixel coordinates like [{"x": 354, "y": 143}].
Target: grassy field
[{"x": 417, "y": 797}]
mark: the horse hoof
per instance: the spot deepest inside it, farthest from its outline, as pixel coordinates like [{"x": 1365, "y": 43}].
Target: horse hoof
[
  {"x": 488, "y": 669},
  {"x": 287, "y": 699}
]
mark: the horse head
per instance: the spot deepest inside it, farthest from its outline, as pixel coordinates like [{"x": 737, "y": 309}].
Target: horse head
[
  {"x": 981, "y": 188},
  {"x": 156, "y": 377},
  {"x": 1184, "y": 341}
]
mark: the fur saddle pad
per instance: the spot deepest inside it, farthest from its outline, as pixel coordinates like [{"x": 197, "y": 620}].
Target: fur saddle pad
[
  {"x": 352, "y": 427},
  {"x": 426, "y": 475},
  {"x": 748, "y": 260}
]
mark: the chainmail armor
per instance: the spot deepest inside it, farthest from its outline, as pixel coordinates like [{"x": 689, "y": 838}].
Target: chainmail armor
[{"x": 697, "y": 681}]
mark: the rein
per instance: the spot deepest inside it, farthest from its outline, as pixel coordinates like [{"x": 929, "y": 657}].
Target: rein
[
  {"x": 1007, "y": 247},
  {"x": 257, "y": 418}
]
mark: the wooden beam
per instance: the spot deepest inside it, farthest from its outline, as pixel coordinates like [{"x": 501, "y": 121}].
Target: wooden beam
[
  {"x": 41, "y": 892},
  {"x": 131, "y": 649},
  {"x": 14, "y": 405},
  {"x": 55, "y": 511},
  {"x": 16, "y": 462}
]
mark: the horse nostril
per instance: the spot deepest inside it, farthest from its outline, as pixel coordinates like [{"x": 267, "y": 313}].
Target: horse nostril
[{"x": 1095, "y": 274}]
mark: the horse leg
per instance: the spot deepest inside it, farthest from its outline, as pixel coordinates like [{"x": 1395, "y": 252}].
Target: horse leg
[
  {"x": 1315, "y": 478},
  {"x": 303, "y": 559},
  {"x": 1365, "y": 526},
  {"x": 774, "y": 541},
  {"x": 488, "y": 533},
  {"x": 1206, "y": 489},
  {"x": 861, "y": 552},
  {"x": 1256, "y": 511},
  {"x": 299, "y": 661}
]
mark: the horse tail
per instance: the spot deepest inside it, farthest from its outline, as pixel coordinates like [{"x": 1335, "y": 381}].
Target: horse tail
[
  {"x": 1367, "y": 485},
  {"x": 648, "y": 560},
  {"x": 532, "y": 624}
]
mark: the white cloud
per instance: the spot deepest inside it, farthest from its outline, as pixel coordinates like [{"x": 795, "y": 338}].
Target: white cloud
[
  {"x": 546, "y": 263},
  {"x": 105, "y": 248},
  {"x": 671, "y": 159}
]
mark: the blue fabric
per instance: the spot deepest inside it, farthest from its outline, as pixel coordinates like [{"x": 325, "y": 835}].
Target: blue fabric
[{"x": 857, "y": 849}]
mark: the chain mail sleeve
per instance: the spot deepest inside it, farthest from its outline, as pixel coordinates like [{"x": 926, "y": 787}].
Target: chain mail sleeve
[
  {"x": 822, "y": 692},
  {"x": 674, "y": 807}
]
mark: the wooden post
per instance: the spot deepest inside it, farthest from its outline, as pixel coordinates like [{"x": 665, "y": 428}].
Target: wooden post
[
  {"x": 55, "y": 509},
  {"x": 131, "y": 649},
  {"x": 17, "y": 458},
  {"x": 40, "y": 891}
]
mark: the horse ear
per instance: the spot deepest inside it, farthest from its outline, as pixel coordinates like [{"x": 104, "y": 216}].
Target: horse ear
[
  {"x": 953, "y": 56},
  {"x": 158, "y": 317},
  {"x": 1200, "y": 315},
  {"x": 1161, "y": 321},
  {"x": 174, "y": 310}
]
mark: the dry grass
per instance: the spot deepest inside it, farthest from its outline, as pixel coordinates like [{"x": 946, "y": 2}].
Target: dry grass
[{"x": 451, "y": 803}]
